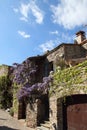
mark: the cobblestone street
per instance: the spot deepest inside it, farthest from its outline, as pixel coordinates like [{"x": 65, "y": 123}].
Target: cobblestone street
[{"x": 9, "y": 123}]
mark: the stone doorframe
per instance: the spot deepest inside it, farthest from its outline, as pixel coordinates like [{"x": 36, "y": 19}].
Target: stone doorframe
[{"x": 62, "y": 105}]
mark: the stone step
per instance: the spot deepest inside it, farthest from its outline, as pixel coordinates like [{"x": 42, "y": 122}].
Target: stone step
[
  {"x": 42, "y": 128},
  {"x": 46, "y": 126},
  {"x": 39, "y": 128},
  {"x": 47, "y": 122}
]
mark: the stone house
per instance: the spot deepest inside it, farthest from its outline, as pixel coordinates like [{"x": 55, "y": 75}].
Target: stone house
[
  {"x": 69, "y": 54},
  {"x": 64, "y": 55}
]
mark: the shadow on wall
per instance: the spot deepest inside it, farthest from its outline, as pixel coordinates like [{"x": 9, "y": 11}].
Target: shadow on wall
[{"x": 6, "y": 128}]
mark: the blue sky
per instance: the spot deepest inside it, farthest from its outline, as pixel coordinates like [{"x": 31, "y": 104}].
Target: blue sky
[{"x": 30, "y": 27}]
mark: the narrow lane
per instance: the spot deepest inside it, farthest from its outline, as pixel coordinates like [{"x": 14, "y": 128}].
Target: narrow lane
[{"x": 9, "y": 123}]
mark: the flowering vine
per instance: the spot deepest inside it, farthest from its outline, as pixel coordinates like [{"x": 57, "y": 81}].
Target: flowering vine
[{"x": 23, "y": 74}]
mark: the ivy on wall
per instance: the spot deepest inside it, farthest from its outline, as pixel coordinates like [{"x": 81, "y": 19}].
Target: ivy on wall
[
  {"x": 5, "y": 92},
  {"x": 70, "y": 81}
]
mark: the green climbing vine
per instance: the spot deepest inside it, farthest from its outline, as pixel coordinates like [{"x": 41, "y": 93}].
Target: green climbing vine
[
  {"x": 70, "y": 80},
  {"x": 5, "y": 92}
]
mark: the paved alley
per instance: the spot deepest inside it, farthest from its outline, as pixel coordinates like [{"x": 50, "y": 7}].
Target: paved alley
[{"x": 9, "y": 123}]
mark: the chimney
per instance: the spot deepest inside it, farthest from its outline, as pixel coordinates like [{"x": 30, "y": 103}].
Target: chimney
[{"x": 80, "y": 37}]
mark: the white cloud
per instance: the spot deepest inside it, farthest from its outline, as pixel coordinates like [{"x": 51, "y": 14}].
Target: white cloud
[
  {"x": 15, "y": 10},
  {"x": 24, "y": 19},
  {"x": 37, "y": 13},
  {"x": 49, "y": 45},
  {"x": 29, "y": 9},
  {"x": 24, "y": 10},
  {"x": 70, "y": 13},
  {"x": 23, "y": 34},
  {"x": 54, "y": 32}
]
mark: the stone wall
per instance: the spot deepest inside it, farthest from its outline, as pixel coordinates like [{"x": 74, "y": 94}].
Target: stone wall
[
  {"x": 73, "y": 51},
  {"x": 56, "y": 56},
  {"x": 56, "y": 113},
  {"x": 53, "y": 110},
  {"x": 56, "y": 53},
  {"x": 85, "y": 46}
]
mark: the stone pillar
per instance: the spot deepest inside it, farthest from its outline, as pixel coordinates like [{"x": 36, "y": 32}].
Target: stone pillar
[
  {"x": 53, "y": 112},
  {"x": 56, "y": 113},
  {"x": 31, "y": 115}
]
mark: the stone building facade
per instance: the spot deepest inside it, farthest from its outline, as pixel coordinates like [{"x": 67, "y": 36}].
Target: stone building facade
[{"x": 64, "y": 55}]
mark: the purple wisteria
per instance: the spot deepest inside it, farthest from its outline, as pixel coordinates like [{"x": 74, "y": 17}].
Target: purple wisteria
[
  {"x": 37, "y": 88},
  {"x": 23, "y": 74}
]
